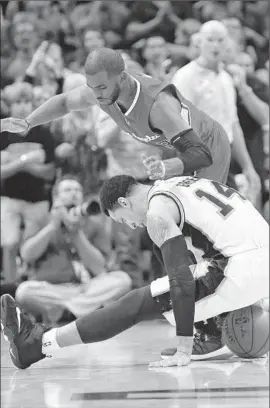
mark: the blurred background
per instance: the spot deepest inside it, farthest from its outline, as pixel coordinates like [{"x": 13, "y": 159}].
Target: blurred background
[{"x": 60, "y": 268}]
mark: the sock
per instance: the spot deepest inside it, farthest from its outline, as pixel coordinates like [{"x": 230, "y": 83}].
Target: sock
[{"x": 49, "y": 343}]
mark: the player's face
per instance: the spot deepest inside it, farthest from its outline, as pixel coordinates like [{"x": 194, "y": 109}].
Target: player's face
[
  {"x": 70, "y": 192},
  {"x": 127, "y": 215},
  {"x": 105, "y": 87},
  {"x": 213, "y": 43}
]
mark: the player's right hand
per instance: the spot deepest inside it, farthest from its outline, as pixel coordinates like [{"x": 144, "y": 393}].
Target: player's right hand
[
  {"x": 155, "y": 167},
  {"x": 14, "y": 125}
]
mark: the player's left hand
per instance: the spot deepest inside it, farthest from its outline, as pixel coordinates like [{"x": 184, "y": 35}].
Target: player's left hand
[
  {"x": 180, "y": 359},
  {"x": 155, "y": 167}
]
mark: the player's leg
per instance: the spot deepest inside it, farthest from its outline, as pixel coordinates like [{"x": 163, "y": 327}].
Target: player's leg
[
  {"x": 226, "y": 286},
  {"x": 30, "y": 342}
]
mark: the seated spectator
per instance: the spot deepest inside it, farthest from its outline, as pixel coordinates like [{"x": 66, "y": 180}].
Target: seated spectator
[
  {"x": 67, "y": 255},
  {"x": 27, "y": 169},
  {"x": 77, "y": 150},
  {"x": 25, "y": 37}
]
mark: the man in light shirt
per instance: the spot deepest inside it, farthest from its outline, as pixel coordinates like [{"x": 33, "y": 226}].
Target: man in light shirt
[{"x": 210, "y": 88}]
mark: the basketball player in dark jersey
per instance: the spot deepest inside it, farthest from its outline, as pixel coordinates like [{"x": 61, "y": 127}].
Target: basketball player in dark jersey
[{"x": 149, "y": 110}]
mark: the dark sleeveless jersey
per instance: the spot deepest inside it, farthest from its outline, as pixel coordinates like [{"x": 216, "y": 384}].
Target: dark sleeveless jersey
[{"x": 135, "y": 120}]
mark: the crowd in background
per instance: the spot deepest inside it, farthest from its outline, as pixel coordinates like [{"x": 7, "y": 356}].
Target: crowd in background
[{"x": 58, "y": 263}]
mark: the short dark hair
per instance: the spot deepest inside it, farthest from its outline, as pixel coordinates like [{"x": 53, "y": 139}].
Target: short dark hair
[
  {"x": 112, "y": 189},
  {"x": 63, "y": 178},
  {"x": 104, "y": 59}
]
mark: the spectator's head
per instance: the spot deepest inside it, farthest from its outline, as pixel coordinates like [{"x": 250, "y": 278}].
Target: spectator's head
[
  {"x": 24, "y": 32},
  {"x": 214, "y": 37},
  {"x": 68, "y": 190},
  {"x": 41, "y": 95},
  {"x": 105, "y": 73},
  {"x": 155, "y": 49},
  {"x": 230, "y": 52},
  {"x": 185, "y": 30},
  {"x": 19, "y": 98},
  {"x": 121, "y": 199},
  {"x": 235, "y": 29},
  {"x": 93, "y": 39},
  {"x": 195, "y": 46},
  {"x": 246, "y": 62}
]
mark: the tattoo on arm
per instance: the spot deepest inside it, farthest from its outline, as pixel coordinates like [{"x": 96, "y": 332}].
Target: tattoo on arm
[{"x": 158, "y": 229}]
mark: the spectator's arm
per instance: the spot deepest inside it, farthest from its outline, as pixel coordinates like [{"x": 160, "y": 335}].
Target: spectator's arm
[
  {"x": 9, "y": 169},
  {"x": 136, "y": 30},
  {"x": 44, "y": 171},
  {"x": 90, "y": 256},
  {"x": 33, "y": 248},
  {"x": 102, "y": 236},
  {"x": 258, "y": 109}
]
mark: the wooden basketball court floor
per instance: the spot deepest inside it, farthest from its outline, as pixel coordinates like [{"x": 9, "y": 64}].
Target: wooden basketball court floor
[{"x": 114, "y": 374}]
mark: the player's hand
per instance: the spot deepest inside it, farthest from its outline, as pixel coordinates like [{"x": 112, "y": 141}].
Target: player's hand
[
  {"x": 180, "y": 359},
  {"x": 14, "y": 125},
  {"x": 155, "y": 167}
]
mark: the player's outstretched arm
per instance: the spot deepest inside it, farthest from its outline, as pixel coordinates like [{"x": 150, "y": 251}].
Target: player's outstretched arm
[
  {"x": 78, "y": 99},
  {"x": 193, "y": 154},
  {"x": 163, "y": 219}
]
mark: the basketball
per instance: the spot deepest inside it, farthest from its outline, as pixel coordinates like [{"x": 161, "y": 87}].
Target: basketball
[{"x": 246, "y": 332}]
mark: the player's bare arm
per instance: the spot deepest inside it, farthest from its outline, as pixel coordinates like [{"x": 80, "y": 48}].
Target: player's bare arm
[
  {"x": 59, "y": 105},
  {"x": 193, "y": 154},
  {"x": 163, "y": 218}
]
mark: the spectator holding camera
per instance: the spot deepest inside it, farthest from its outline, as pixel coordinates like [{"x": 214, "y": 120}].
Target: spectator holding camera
[
  {"x": 27, "y": 169},
  {"x": 67, "y": 256}
]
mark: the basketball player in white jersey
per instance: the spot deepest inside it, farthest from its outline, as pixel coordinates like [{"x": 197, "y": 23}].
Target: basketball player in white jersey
[{"x": 214, "y": 245}]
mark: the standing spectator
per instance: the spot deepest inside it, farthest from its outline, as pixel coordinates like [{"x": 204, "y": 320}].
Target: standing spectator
[
  {"x": 206, "y": 84},
  {"x": 67, "y": 255},
  {"x": 253, "y": 112},
  {"x": 27, "y": 169}
]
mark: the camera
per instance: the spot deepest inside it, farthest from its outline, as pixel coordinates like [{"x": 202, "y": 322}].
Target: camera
[{"x": 86, "y": 209}]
